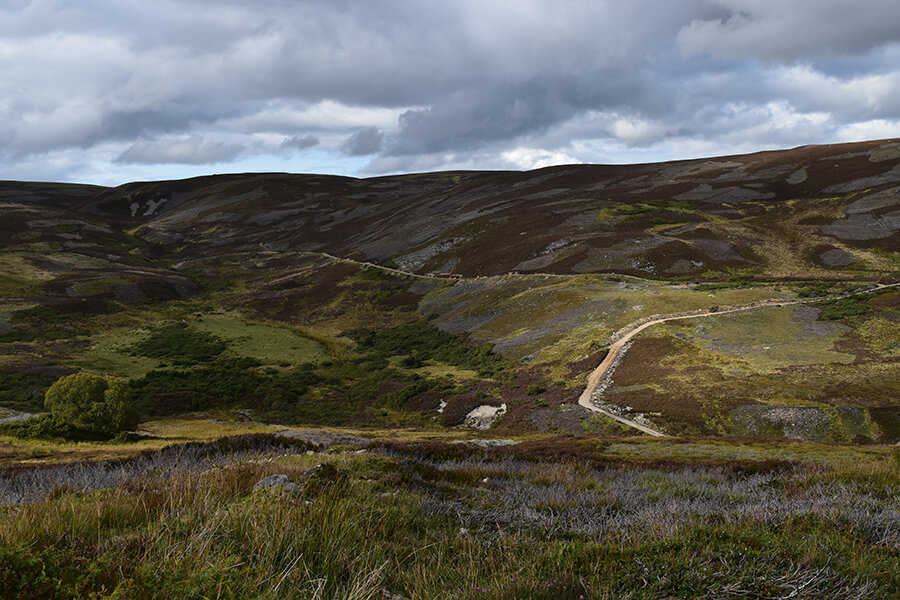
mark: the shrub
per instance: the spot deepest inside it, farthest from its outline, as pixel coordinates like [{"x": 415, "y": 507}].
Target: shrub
[
  {"x": 843, "y": 307},
  {"x": 412, "y": 362},
  {"x": 49, "y": 427},
  {"x": 372, "y": 274},
  {"x": 92, "y": 403},
  {"x": 181, "y": 343},
  {"x": 810, "y": 291},
  {"x": 428, "y": 342},
  {"x": 22, "y": 391}
]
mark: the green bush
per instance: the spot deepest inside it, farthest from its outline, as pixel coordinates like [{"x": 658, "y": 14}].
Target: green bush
[
  {"x": 274, "y": 395},
  {"x": 92, "y": 403},
  {"x": 412, "y": 362},
  {"x": 13, "y": 336},
  {"x": 397, "y": 399},
  {"x": 428, "y": 342},
  {"x": 372, "y": 274},
  {"x": 46, "y": 427},
  {"x": 836, "y": 310},
  {"x": 180, "y": 343},
  {"x": 810, "y": 291}
]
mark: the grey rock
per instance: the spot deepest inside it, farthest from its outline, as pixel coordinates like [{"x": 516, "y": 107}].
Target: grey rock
[
  {"x": 278, "y": 481},
  {"x": 883, "y": 153},
  {"x": 871, "y": 202},
  {"x": 797, "y": 177}
]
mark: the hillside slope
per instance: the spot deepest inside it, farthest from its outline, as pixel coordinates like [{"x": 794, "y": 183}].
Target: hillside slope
[
  {"x": 811, "y": 212},
  {"x": 333, "y": 299}
]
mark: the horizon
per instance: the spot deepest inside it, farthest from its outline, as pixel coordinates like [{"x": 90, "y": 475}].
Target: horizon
[
  {"x": 474, "y": 170},
  {"x": 110, "y": 92}
]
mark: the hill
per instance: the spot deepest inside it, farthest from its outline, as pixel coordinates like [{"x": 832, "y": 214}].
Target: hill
[{"x": 416, "y": 299}]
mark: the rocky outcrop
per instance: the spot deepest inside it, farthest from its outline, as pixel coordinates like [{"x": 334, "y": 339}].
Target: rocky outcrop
[
  {"x": 279, "y": 482},
  {"x": 484, "y": 416}
]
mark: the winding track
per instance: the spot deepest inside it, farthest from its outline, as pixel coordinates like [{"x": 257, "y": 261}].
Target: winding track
[{"x": 623, "y": 336}]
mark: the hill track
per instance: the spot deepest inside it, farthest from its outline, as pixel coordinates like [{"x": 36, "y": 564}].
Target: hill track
[
  {"x": 623, "y": 336},
  {"x": 458, "y": 277}
]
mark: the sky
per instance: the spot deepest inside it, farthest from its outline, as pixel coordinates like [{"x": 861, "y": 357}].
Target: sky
[{"x": 111, "y": 91}]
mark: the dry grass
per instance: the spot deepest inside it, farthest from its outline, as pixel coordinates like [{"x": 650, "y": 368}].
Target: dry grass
[{"x": 551, "y": 518}]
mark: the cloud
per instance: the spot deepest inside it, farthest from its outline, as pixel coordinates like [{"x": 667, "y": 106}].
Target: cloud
[
  {"x": 795, "y": 30},
  {"x": 535, "y": 158},
  {"x": 90, "y": 87},
  {"x": 191, "y": 151},
  {"x": 300, "y": 143},
  {"x": 364, "y": 142}
]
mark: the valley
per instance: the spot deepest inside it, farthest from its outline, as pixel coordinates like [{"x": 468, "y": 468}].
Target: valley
[{"x": 680, "y": 378}]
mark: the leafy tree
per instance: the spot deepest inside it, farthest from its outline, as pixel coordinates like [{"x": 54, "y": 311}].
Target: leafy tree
[{"x": 92, "y": 403}]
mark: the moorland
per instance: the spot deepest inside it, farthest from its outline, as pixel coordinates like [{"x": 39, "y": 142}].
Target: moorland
[{"x": 417, "y": 356}]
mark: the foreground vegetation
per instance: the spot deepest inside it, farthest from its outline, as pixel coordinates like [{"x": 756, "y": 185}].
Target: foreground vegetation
[{"x": 549, "y": 518}]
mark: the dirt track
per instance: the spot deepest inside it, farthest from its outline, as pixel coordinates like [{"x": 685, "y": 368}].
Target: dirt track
[{"x": 623, "y": 336}]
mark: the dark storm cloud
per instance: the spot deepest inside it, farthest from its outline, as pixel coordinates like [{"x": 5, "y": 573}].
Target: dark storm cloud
[
  {"x": 795, "y": 30},
  {"x": 435, "y": 84},
  {"x": 495, "y": 113}
]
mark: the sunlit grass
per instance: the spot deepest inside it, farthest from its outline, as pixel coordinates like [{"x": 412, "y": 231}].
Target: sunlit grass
[{"x": 271, "y": 344}]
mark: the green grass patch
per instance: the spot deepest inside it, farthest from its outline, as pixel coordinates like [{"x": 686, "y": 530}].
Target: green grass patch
[
  {"x": 269, "y": 344},
  {"x": 881, "y": 336},
  {"x": 641, "y": 208},
  {"x": 767, "y": 339}
]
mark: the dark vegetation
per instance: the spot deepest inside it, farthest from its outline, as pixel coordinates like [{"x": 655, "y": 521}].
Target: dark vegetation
[
  {"x": 44, "y": 323},
  {"x": 202, "y": 377},
  {"x": 24, "y": 391},
  {"x": 814, "y": 290},
  {"x": 851, "y": 306},
  {"x": 275, "y": 395},
  {"x": 424, "y": 342},
  {"x": 48, "y": 427},
  {"x": 180, "y": 343},
  {"x": 83, "y": 406}
]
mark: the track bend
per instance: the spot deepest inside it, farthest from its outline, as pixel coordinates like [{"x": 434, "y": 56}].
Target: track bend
[{"x": 623, "y": 336}]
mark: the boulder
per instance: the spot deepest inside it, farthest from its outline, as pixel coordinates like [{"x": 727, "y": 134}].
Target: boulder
[{"x": 277, "y": 482}]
